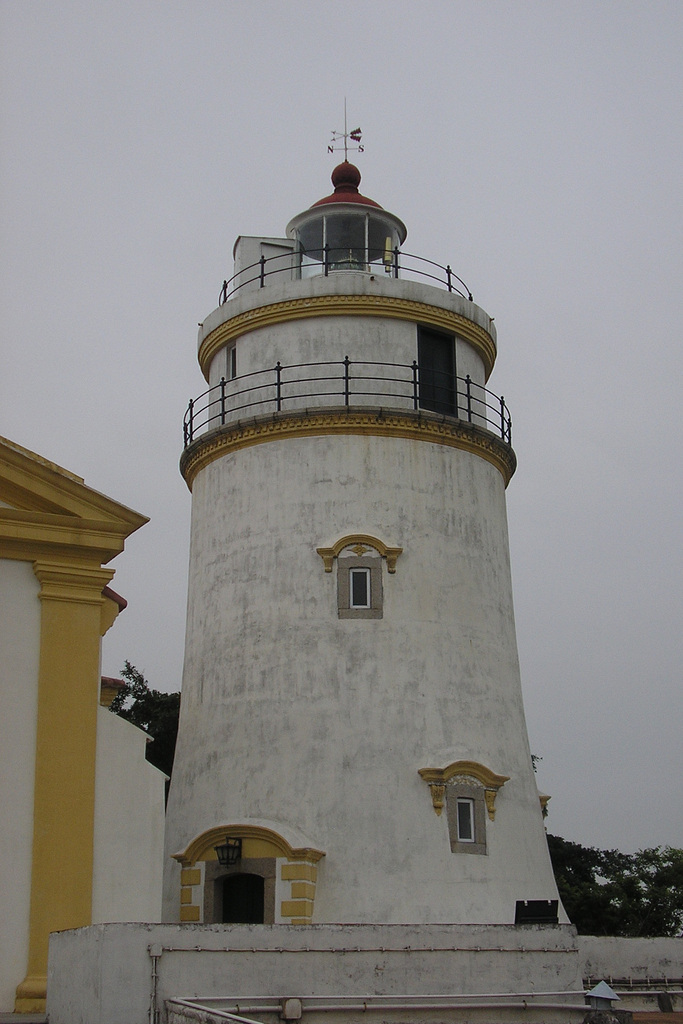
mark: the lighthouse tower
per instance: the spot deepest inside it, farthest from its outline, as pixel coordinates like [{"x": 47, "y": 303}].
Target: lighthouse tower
[{"x": 352, "y": 743}]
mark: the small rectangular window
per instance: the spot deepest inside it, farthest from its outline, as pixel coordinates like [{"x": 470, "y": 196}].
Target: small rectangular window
[
  {"x": 231, "y": 368},
  {"x": 465, "y": 820},
  {"x": 466, "y": 817},
  {"x": 359, "y": 589}
]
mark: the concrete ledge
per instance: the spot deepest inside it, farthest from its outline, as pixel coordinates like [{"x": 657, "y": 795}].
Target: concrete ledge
[{"x": 343, "y": 421}]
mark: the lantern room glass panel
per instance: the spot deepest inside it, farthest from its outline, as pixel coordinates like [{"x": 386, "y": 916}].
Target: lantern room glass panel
[{"x": 355, "y": 240}]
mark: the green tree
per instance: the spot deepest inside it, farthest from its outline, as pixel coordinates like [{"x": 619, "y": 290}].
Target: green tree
[
  {"x": 606, "y": 892},
  {"x": 155, "y": 712}
]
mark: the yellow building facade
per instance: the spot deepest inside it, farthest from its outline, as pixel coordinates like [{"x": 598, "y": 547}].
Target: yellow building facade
[{"x": 57, "y": 536}]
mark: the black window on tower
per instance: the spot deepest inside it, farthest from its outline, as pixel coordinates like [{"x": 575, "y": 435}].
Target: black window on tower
[
  {"x": 436, "y": 366},
  {"x": 359, "y": 587}
]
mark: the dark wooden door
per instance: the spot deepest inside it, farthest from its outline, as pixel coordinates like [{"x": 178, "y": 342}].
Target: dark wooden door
[
  {"x": 243, "y": 899},
  {"x": 436, "y": 363}
]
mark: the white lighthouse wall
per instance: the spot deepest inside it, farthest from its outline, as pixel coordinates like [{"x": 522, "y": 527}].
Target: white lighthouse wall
[
  {"x": 324, "y": 341},
  {"x": 317, "y": 724},
  {"x": 317, "y": 340},
  {"x": 346, "y": 283}
]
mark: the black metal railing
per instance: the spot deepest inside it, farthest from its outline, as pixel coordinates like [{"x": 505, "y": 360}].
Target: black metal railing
[
  {"x": 346, "y": 383},
  {"x": 322, "y": 262}
]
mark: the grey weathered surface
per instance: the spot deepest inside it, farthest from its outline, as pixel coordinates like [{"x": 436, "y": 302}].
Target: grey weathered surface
[{"x": 103, "y": 974}]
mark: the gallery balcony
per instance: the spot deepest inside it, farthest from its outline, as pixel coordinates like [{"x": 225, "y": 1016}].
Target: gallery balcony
[{"x": 347, "y": 384}]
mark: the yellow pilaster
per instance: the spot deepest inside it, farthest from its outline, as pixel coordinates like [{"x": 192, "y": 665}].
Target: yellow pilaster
[{"x": 64, "y": 795}]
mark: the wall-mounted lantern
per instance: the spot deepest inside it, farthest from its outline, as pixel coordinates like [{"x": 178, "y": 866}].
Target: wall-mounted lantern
[{"x": 229, "y": 853}]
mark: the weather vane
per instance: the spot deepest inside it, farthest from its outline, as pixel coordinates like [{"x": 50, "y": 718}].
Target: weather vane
[{"x": 355, "y": 135}]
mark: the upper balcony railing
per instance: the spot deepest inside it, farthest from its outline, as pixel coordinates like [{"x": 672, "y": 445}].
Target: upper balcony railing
[
  {"x": 322, "y": 262},
  {"x": 346, "y": 384}
]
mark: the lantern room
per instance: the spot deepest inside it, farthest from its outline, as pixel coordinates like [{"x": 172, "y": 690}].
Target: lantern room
[{"x": 345, "y": 230}]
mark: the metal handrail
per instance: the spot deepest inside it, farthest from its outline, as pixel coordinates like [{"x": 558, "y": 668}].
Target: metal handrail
[
  {"x": 343, "y": 382},
  {"x": 332, "y": 260}
]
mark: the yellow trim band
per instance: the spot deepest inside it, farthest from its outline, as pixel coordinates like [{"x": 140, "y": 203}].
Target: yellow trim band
[
  {"x": 369, "y": 422},
  {"x": 347, "y": 305}
]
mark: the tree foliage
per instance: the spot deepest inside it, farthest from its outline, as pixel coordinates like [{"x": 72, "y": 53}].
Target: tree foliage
[
  {"x": 606, "y": 892},
  {"x": 155, "y": 712}
]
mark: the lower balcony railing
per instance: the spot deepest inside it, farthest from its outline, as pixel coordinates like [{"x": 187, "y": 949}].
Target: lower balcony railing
[{"x": 346, "y": 383}]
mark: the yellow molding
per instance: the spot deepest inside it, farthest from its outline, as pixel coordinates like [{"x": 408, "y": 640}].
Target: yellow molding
[
  {"x": 472, "y": 768},
  {"x": 357, "y": 422},
  {"x": 328, "y": 555},
  {"x": 186, "y": 894},
  {"x": 74, "y": 584},
  {"x": 26, "y": 453},
  {"x": 29, "y": 535},
  {"x": 31, "y": 995},
  {"x": 297, "y": 908},
  {"x": 438, "y": 791},
  {"x": 438, "y": 777},
  {"x": 308, "y": 872},
  {"x": 33, "y": 484},
  {"x": 109, "y": 614},
  {"x": 189, "y": 913},
  {"x": 490, "y": 801},
  {"x": 303, "y": 890},
  {"x": 347, "y": 305},
  {"x": 204, "y": 843},
  {"x": 190, "y": 876}
]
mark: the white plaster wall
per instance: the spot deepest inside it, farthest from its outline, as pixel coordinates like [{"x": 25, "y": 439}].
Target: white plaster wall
[
  {"x": 129, "y": 825},
  {"x": 103, "y": 974},
  {"x": 626, "y": 964},
  {"x": 293, "y": 716},
  {"x": 614, "y": 957},
  {"x": 247, "y": 252},
  {"x": 19, "y": 659}
]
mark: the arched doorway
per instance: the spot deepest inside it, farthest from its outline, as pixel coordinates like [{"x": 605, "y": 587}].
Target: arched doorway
[{"x": 242, "y": 900}]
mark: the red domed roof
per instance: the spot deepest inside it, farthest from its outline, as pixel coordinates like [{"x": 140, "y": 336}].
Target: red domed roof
[{"x": 346, "y": 179}]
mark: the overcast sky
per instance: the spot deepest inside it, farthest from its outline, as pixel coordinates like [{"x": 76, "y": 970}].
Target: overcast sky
[{"x": 534, "y": 146}]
